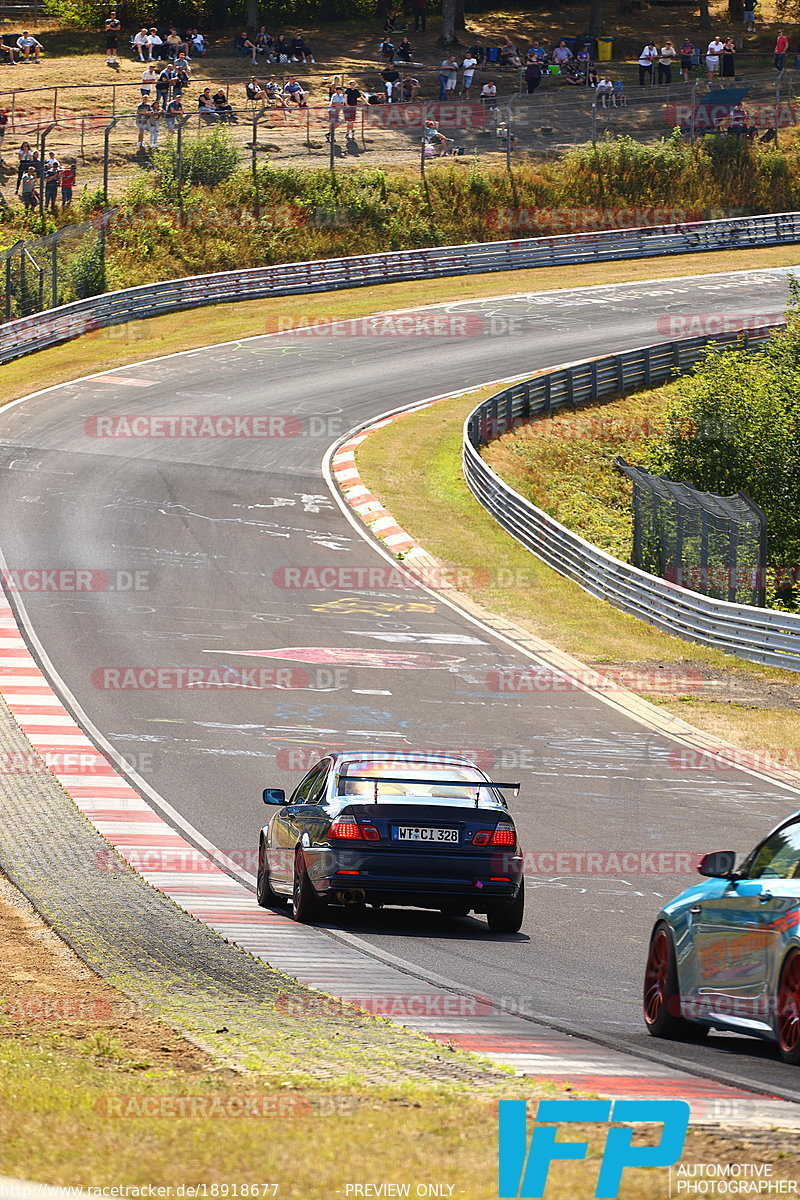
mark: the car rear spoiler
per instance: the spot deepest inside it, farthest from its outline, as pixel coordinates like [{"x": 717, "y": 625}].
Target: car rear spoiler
[{"x": 469, "y": 783}]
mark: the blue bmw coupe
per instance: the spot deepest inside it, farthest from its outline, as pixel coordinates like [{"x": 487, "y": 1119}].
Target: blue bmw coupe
[
  {"x": 726, "y": 953},
  {"x": 427, "y": 831}
]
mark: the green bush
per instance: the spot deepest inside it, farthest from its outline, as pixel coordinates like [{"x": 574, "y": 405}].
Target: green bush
[{"x": 208, "y": 159}]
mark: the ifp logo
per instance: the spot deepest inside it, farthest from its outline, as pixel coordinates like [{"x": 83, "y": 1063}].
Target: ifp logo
[{"x": 523, "y": 1169}]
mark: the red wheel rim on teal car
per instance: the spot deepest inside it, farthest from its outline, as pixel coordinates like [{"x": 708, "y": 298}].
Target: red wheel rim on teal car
[
  {"x": 789, "y": 1004},
  {"x": 655, "y": 977}
]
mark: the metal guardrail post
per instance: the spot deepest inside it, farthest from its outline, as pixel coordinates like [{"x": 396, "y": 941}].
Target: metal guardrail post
[{"x": 106, "y": 136}]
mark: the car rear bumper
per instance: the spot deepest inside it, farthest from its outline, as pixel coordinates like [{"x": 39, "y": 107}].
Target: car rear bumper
[{"x": 425, "y": 879}]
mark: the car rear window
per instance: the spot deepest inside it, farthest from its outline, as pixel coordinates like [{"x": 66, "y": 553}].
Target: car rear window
[{"x": 358, "y": 775}]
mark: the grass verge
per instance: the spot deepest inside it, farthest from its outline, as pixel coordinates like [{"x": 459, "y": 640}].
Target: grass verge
[
  {"x": 139, "y": 340},
  {"x": 757, "y": 708},
  {"x": 76, "y": 1077}
]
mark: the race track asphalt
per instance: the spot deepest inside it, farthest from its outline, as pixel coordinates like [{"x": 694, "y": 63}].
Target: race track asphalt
[{"x": 212, "y": 523}]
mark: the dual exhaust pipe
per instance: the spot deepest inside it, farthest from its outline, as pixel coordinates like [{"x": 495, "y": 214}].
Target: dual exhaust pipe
[{"x": 352, "y": 896}]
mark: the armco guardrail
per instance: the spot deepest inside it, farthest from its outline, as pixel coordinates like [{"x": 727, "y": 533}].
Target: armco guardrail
[
  {"x": 761, "y": 635},
  {"x": 48, "y": 328}
]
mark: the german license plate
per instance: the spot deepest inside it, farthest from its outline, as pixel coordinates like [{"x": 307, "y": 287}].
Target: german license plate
[{"x": 417, "y": 833}]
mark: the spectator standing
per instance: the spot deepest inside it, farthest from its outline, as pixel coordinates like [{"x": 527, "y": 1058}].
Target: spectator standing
[
  {"x": 183, "y": 75},
  {"x": 112, "y": 28},
  {"x": 68, "y": 173},
  {"x": 666, "y": 58},
  {"x": 646, "y": 59},
  {"x": 164, "y": 84},
  {"x": 141, "y": 46},
  {"x": 154, "y": 124},
  {"x": 336, "y": 107},
  {"x": 30, "y": 197},
  {"x": 28, "y": 44},
  {"x": 52, "y": 178},
  {"x": 468, "y": 67},
  {"x": 533, "y": 75},
  {"x": 149, "y": 78},
  {"x": 143, "y": 112},
  {"x": 24, "y": 160},
  {"x": 352, "y": 95},
  {"x": 749, "y": 16},
  {"x": 448, "y": 76},
  {"x": 3, "y": 127},
  {"x": 173, "y": 113},
  {"x": 728, "y": 60},
  {"x": 781, "y": 46},
  {"x": 712, "y": 57},
  {"x": 420, "y": 11},
  {"x": 687, "y": 58}
]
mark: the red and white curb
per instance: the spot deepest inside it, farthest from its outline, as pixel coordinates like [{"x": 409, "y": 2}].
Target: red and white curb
[
  {"x": 366, "y": 506},
  {"x": 330, "y": 962}
]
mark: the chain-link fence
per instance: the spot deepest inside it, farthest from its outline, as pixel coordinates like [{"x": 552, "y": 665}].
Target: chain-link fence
[
  {"x": 48, "y": 271},
  {"x": 715, "y": 545}
]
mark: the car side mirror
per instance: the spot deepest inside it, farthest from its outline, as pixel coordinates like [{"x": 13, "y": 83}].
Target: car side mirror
[
  {"x": 274, "y": 796},
  {"x": 718, "y": 865}
]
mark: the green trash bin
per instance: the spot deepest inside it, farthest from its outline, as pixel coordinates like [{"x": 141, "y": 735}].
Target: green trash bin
[{"x": 604, "y": 45}]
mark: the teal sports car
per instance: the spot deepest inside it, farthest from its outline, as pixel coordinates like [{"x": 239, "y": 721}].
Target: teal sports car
[{"x": 726, "y": 953}]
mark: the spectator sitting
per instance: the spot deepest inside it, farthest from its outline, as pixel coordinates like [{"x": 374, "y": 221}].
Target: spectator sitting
[
  {"x": 592, "y": 77},
  {"x": 299, "y": 50},
  {"x": 411, "y": 87},
  {"x": 245, "y": 47},
  {"x": 155, "y": 43},
  {"x": 29, "y": 45},
  {"x": 264, "y": 43},
  {"x": 537, "y": 51},
  {"x": 562, "y": 55},
  {"x": 183, "y": 73},
  {"x": 141, "y": 46},
  {"x": 386, "y": 51},
  {"x": 283, "y": 50},
  {"x": 9, "y": 50},
  {"x": 434, "y": 137},
  {"x": 197, "y": 42},
  {"x": 619, "y": 93},
  {"x": 404, "y": 52},
  {"x": 206, "y": 107},
  {"x": 478, "y": 52},
  {"x": 254, "y": 90},
  {"x": 274, "y": 93},
  {"x": 488, "y": 96},
  {"x": 223, "y": 108},
  {"x": 509, "y": 57},
  {"x": 391, "y": 79},
  {"x": 295, "y": 93},
  {"x": 605, "y": 91},
  {"x": 504, "y": 136},
  {"x": 175, "y": 44},
  {"x": 390, "y": 24}
]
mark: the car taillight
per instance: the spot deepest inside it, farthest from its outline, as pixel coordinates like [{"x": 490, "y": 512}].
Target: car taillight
[
  {"x": 346, "y": 829},
  {"x": 503, "y": 835}
]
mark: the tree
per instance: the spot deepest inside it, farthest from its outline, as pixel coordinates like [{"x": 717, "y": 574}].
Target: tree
[
  {"x": 447, "y": 37},
  {"x": 596, "y": 26},
  {"x": 253, "y": 21},
  {"x": 705, "y": 16}
]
